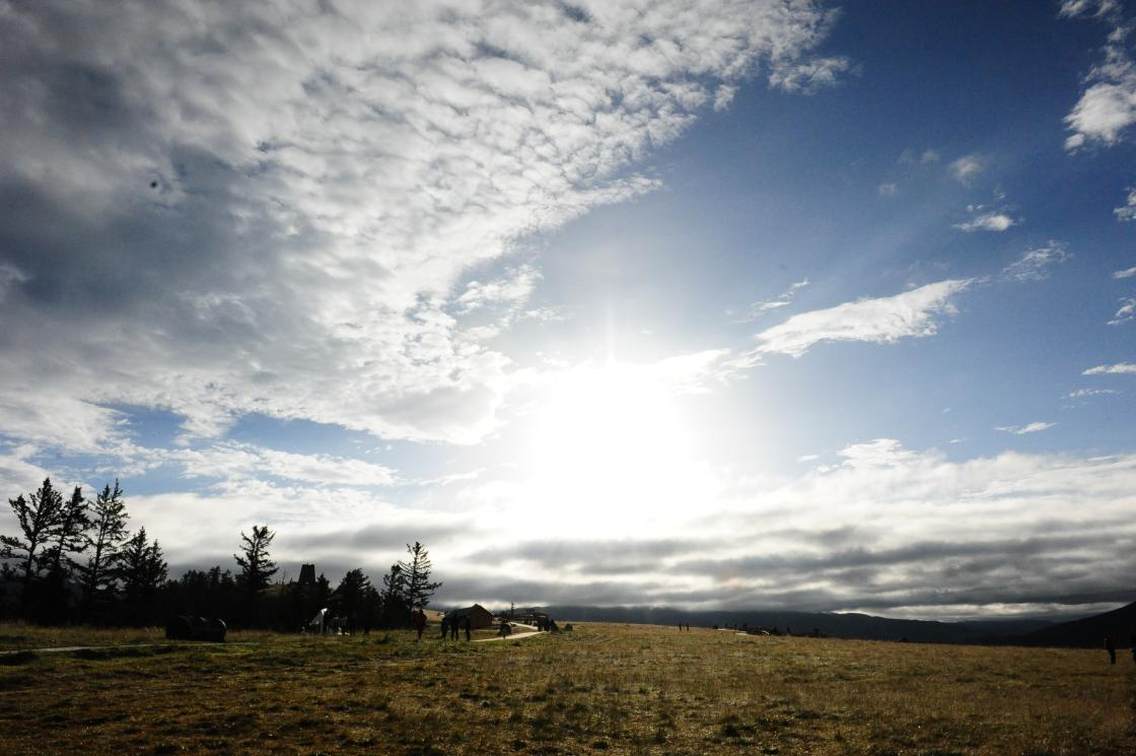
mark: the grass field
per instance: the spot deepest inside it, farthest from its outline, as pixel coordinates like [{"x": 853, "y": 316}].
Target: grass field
[{"x": 601, "y": 688}]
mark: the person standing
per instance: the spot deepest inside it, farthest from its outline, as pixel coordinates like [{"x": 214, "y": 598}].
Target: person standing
[
  {"x": 467, "y": 625},
  {"x": 1110, "y": 646},
  {"x": 418, "y": 619},
  {"x": 445, "y": 627}
]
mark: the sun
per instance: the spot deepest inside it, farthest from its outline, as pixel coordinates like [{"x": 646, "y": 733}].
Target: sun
[{"x": 609, "y": 441}]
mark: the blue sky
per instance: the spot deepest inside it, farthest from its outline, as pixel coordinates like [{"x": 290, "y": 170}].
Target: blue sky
[{"x": 823, "y": 305}]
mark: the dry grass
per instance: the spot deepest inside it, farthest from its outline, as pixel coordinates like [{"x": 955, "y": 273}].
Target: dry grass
[{"x": 611, "y": 688}]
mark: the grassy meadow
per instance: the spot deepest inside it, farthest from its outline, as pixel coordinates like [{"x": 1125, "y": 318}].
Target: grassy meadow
[{"x": 602, "y": 688}]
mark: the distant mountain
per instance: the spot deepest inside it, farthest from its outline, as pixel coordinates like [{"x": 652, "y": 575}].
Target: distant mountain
[
  {"x": 1085, "y": 633},
  {"x": 862, "y": 626}
]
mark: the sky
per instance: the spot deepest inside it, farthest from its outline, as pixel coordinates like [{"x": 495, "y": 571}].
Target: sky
[{"x": 735, "y": 304}]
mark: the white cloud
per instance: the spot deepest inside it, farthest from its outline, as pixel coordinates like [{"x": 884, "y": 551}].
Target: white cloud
[
  {"x": 1128, "y": 211},
  {"x": 1034, "y": 264},
  {"x": 1119, "y": 368},
  {"x": 1126, "y": 273},
  {"x": 723, "y": 96},
  {"x": 1107, "y": 107},
  {"x": 513, "y": 290},
  {"x": 314, "y": 210},
  {"x": 884, "y": 320},
  {"x": 983, "y": 219},
  {"x": 235, "y": 461},
  {"x": 887, "y": 190},
  {"x": 1073, "y": 8},
  {"x": 1022, "y": 430},
  {"x": 545, "y": 314},
  {"x": 967, "y": 168},
  {"x": 1126, "y": 312},
  {"x": 809, "y": 76},
  {"x": 1084, "y": 393},
  {"x": 784, "y": 299},
  {"x": 17, "y": 472}
]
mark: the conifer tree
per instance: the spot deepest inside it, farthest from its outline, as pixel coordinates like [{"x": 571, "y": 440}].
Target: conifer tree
[
  {"x": 351, "y": 592},
  {"x": 257, "y": 568},
  {"x": 69, "y": 534},
  {"x": 143, "y": 571},
  {"x": 419, "y": 589},
  {"x": 38, "y": 516},
  {"x": 107, "y": 532},
  {"x": 396, "y": 607}
]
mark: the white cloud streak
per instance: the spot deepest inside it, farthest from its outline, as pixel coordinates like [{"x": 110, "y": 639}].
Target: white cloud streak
[
  {"x": 1021, "y": 430},
  {"x": 1119, "y": 368},
  {"x": 1127, "y": 211},
  {"x": 984, "y": 219},
  {"x": 1034, "y": 264},
  {"x": 912, "y": 314},
  {"x": 1126, "y": 312},
  {"x": 1085, "y": 393},
  {"x": 784, "y": 299}
]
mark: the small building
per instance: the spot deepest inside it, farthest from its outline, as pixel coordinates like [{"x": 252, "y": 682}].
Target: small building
[
  {"x": 478, "y": 615},
  {"x": 530, "y": 615}
]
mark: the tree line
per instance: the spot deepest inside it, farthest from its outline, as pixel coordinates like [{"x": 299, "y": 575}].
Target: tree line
[{"x": 74, "y": 560}]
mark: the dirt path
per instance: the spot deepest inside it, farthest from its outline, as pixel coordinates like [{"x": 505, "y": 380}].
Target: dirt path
[
  {"x": 530, "y": 631},
  {"x": 514, "y": 636},
  {"x": 72, "y": 649}
]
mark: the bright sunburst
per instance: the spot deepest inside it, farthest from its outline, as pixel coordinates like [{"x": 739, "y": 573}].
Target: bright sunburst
[{"x": 612, "y": 440}]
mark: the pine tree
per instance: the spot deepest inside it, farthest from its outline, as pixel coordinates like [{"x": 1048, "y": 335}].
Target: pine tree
[
  {"x": 69, "y": 534},
  {"x": 38, "y": 516},
  {"x": 143, "y": 571},
  {"x": 107, "y": 534},
  {"x": 396, "y": 607},
  {"x": 257, "y": 568},
  {"x": 351, "y": 593},
  {"x": 419, "y": 589}
]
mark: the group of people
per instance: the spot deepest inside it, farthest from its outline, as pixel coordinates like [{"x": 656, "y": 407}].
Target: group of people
[
  {"x": 451, "y": 626},
  {"x": 1110, "y": 647}
]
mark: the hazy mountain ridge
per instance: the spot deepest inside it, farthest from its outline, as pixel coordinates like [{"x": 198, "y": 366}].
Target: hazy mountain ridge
[
  {"x": 850, "y": 625},
  {"x": 1087, "y": 632}
]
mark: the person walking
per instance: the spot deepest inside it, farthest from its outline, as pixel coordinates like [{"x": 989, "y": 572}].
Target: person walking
[
  {"x": 1110, "y": 646},
  {"x": 418, "y": 619}
]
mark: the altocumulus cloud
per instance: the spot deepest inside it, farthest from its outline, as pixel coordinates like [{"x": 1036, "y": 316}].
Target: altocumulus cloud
[{"x": 225, "y": 208}]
